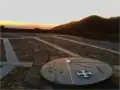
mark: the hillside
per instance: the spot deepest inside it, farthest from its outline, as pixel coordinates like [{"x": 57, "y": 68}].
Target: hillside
[{"x": 93, "y": 27}]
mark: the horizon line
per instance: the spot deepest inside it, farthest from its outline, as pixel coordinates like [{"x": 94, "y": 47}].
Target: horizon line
[{"x": 7, "y": 22}]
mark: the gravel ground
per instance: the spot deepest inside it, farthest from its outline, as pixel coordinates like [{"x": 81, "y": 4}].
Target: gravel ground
[
  {"x": 105, "y": 56},
  {"x": 14, "y": 79},
  {"x": 30, "y": 49},
  {"x": 105, "y": 44}
]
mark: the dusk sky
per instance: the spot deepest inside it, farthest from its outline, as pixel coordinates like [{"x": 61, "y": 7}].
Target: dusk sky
[{"x": 56, "y": 11}]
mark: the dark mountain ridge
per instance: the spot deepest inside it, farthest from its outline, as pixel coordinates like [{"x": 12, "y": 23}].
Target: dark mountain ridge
[{"x": 93, "y": 27}]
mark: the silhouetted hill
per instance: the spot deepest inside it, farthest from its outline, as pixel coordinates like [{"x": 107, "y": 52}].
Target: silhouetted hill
[
  {"x": 93, "y": 27},
  {"x": 35, "y": 30}
]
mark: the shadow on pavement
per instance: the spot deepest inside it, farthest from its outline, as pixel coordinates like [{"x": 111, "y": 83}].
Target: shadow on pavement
[{"x": 107, "y": 84}]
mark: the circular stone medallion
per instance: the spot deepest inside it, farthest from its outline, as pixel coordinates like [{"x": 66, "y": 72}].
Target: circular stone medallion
[{"x": 76, "y": 71}]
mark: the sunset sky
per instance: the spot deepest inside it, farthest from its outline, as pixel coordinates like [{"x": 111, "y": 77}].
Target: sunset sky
[{"x": 55, "y": 11}]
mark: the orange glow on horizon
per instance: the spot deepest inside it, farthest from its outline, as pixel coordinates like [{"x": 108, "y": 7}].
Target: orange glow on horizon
[
  {"x": 12, "y": 23},
  {"x": 21, "y": 23},
  {"x": 54, "y": 12}
]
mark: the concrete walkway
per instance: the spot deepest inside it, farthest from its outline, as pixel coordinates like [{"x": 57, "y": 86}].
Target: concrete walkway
[
  {"x": 10, "y": 54},
  {"x": 86, "y": 44},
  {"x": 57, "y": 47},
  {"x": 11, "y": 57}
]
